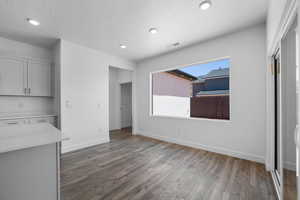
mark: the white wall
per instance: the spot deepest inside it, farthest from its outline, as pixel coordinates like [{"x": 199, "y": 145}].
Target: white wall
[
  {"x": 10, "y": 105},
  {"x": 244, "y": 135},
  {"x": 84, "y": 94},
  {"x": 30, "y": 105},
  {"x": 124, "y": 76},
  {"x": 117, "y": 76},
  {"x": 12, "y": 47}
]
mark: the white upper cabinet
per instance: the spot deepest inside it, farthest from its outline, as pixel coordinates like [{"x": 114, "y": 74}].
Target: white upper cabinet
[
  {"x": 25, "y": 77},
  {"x": 39, "y": 78},
  {"x": 13, "y": 80}
]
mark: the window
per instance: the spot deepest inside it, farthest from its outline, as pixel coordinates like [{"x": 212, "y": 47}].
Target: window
[{"x": 195, "y": 91}]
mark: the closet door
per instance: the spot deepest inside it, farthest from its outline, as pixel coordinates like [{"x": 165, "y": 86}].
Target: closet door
[
  {"x": 278, "y": 119},
  {"x": 39, "y": 78},
  {"x": 277, "y": 170},
  {"x": 13, "y": 76}
]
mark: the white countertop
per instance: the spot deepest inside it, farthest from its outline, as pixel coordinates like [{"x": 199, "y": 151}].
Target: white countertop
[
  {"x": 25, "y": 115},
  {"x": 29, "y": 135}
]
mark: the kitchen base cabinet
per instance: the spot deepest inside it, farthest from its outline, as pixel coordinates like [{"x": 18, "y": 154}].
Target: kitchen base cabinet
[
  {"x": 29, "y": 120},
  {"x": 29, "y": 174},
  {"x": 30, "y": 162}
]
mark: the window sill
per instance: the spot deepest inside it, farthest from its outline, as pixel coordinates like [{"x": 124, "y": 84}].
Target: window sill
[{"x": 190, "y": 118}]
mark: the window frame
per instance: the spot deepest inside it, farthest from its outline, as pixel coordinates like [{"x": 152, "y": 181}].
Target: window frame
[{"x": 151, "y": 115}]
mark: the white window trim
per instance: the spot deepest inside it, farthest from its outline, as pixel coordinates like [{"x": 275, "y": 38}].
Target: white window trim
[{"x": 189, "y": 118}]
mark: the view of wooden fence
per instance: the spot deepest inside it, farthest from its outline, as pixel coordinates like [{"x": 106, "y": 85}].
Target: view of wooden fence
[{"x": 212, "y": 107}]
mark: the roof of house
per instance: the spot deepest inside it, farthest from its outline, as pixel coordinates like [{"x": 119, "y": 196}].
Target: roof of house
[
  {"x": 216, "y": 73},
  {"x": 182, "y": 74}
]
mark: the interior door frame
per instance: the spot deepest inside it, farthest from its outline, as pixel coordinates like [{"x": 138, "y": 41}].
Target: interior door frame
[
  {"x": 277, "y": 175},
  {"x": 298, "y": 105},
  {"x": 133, "y": 98}
]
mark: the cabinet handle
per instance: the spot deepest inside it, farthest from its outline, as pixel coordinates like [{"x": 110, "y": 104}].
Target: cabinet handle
[
  {"x": 29, "y": 90},
  {"x": 25, "y": 90}
]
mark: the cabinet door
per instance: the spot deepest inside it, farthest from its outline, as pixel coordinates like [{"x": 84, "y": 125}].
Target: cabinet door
[
  {"x": 39, "y": 78},
  {"x": 13, "y": 76}
]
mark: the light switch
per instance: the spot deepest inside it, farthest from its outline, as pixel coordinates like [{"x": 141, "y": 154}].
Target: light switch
[{"x": 68, "y": 104}]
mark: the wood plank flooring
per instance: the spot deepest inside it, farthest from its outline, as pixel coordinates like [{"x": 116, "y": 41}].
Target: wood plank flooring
[
  {"x": 290, "y": 185},
  {"x": 139, "y": 168}
]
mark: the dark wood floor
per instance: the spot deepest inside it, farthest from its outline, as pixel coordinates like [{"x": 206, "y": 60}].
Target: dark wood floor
[
  {"x": 290, "y": 185},
  {"x": 139, "y": 168}
]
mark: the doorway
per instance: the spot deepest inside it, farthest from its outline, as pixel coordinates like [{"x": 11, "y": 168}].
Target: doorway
[
  {"x": 120, "y": 102},
  {"x": 126, "y": 105}
]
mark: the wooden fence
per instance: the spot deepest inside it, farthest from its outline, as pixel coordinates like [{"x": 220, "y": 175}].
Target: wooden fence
[{"x": 212, "y": 107}]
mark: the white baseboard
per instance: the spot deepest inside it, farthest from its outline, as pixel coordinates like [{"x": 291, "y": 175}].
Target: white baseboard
[
  {"x": 73, "y": 147},
  {"x": 219, "y": 150},
  {"x": 290, "y": 166},
  {"x": 115, "y": 129}
]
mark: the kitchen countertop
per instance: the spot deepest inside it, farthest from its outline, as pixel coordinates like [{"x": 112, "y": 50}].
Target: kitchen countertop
[
  {"x": 25, "y": 115},
  {"x": 19, "y": 137}
]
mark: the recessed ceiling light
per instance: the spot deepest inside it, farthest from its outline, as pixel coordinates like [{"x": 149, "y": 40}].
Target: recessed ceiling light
[
  {"x": 33, "y": 22},
  {"x": 176, "y": 44},
  {"x": 205, "y": 4},
  {"x": 153, "y": 30},
  {"x": 122, "y": 46}
]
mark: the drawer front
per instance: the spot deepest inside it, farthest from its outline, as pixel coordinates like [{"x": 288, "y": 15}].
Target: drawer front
[
  {"x": 50, "y": 120},
  {"x": 12, "y": 122}
]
